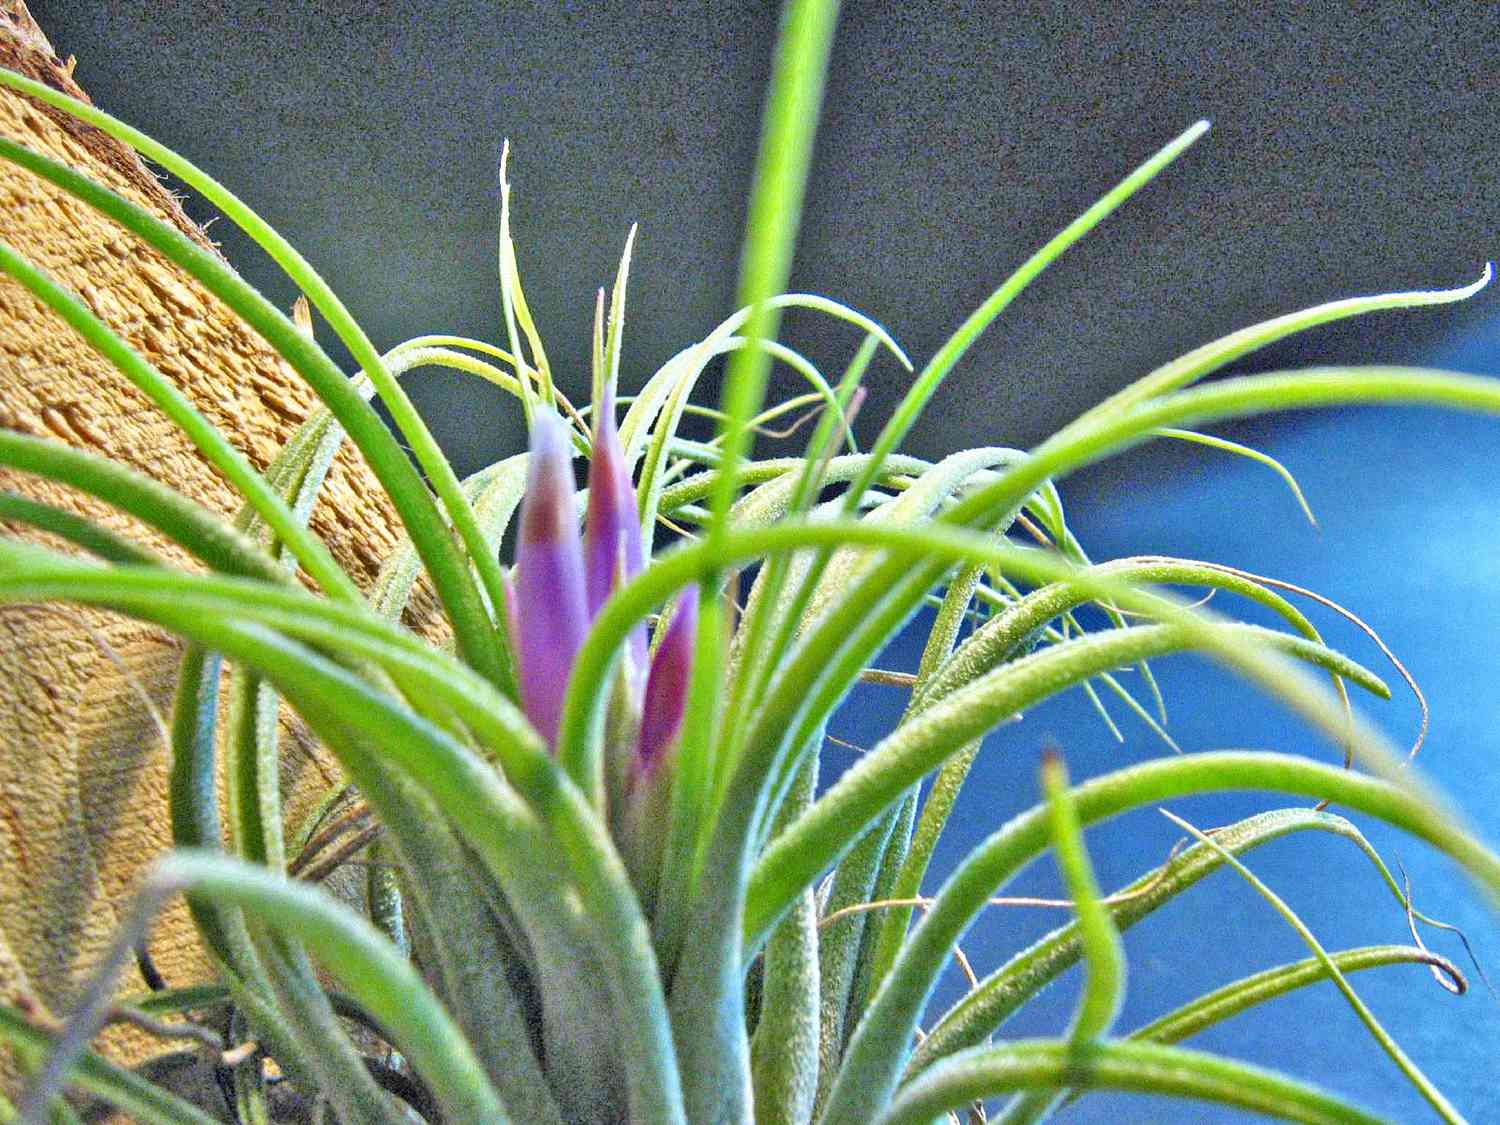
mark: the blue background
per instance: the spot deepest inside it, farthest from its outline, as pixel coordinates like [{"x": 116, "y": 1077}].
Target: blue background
[{"x": 1409, "y": 538}]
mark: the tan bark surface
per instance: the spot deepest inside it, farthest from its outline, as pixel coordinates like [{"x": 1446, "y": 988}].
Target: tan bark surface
[{"x": 82, "y": 765}]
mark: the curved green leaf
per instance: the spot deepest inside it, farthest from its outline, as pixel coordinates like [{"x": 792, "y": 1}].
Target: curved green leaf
[
  {"x": 376, "y": 974},
  {"x": 310, "y": 551},
  {"x": 409, "y": 495},
  {"x": 952, "y": 351},
  {"x": 1211, "y": 357},
  {"x": 121, "y": 1088},
  {"x": 1413, "y": 1073},
  {"x": 484, "y": 811},
  {"x": 71, "y": 527},
  {"x": 191, "y": 526},
  {"x": 1146, "y": 1068},
  {"x": 1104, "y": 955},
  {"x": 913, "y": 749},
  {"x": 1248, "y": 992},
  {"x": 1234, "y": 447},
  {"x": 985, "y": 1008},
  {"x": 869, "y": 1075}
]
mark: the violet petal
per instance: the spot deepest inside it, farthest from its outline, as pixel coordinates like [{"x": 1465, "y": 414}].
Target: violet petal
[
  {"x": 551, "y": 612},
  {"x": 612, "y": 532},
  {"x": 667, "y": 686}
]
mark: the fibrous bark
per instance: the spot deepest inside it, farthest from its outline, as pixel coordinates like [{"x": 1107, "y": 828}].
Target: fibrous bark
[{"x": 83, "y": 766}]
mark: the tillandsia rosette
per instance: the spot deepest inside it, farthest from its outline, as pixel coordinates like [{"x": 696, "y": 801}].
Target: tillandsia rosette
[{"x": 604, "y": 880}]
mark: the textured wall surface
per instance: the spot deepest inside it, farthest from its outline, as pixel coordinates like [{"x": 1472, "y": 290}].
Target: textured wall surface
[{"x": 82, "y": 763}]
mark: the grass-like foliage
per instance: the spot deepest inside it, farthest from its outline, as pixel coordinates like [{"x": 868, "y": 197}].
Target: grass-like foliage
[{"x": 602, "y": 888}]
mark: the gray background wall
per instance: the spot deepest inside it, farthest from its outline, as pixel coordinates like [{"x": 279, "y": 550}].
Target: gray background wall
[{"x": 1352, "y": 152}]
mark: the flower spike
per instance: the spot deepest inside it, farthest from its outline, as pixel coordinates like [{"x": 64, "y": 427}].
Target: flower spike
[
  {"x": 551, "y": 611},
  {"x": 612, "y": 533}
]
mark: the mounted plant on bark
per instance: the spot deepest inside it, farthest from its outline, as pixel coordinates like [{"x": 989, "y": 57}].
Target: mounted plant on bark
[{"x": 594, "y": 846}]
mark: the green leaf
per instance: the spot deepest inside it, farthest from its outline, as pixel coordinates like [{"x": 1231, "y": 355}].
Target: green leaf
[
  {"x": 1098, "y": 435},
  {"x": 646, "y": 405},
  {"x": 127, "y": 1092},
  {"x": 973, "y": 1018},
  {"x": 408, "y": 494},
  {"x": 784, "y": 1051},
  {"x": 1252, "y": 454},
  {"x": 214, "y": 447},
  {"x": 1413, "y": 1073},
  {"x": 1104, "y": 956},
  {"x": 654, "y": 471},
  {"x": 708, "y": 1026},
  {"x": 375, "y": 973},
  {"x": 74, "y": 529},
  {"x": 472, "y": 957},
  {"x": 1146, "y": 1068},
  {"x": 513, "y": 301},
  {"x": 352, "y": 718},
  {"x": 1248, "y": 992},
  {"x": 793, "y": 100},
  {"x": 613, "y": 345},
  {"x": 869, "y": 1079},
  {"x": 946, "y": 626},
  {"x": 389, "y": 462},
  {"x": 909, "y": 752},
  {"x": 1204, "y": 361},
  {"x": 749, "y": 664},
  {"x": 191, "y": 526},
  {"x": 953, "y": 349}
]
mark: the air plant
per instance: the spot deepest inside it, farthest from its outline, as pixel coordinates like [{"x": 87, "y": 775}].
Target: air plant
[{"x": 611, "y": 892}]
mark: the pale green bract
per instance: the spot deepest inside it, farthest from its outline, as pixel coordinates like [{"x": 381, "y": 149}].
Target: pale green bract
[{"x": 556, "y": 940}]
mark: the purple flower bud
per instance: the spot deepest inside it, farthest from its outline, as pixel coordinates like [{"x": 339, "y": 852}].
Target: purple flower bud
[
  {"x": 612, "y": 532},
  {"x": 551, "y": 612},
  {"x": 508, "y": 587},
  {"x": 667, "y": 686}
]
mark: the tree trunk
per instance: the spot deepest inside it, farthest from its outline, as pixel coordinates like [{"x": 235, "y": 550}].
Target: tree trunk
[{"x": 83, "y": 767}]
